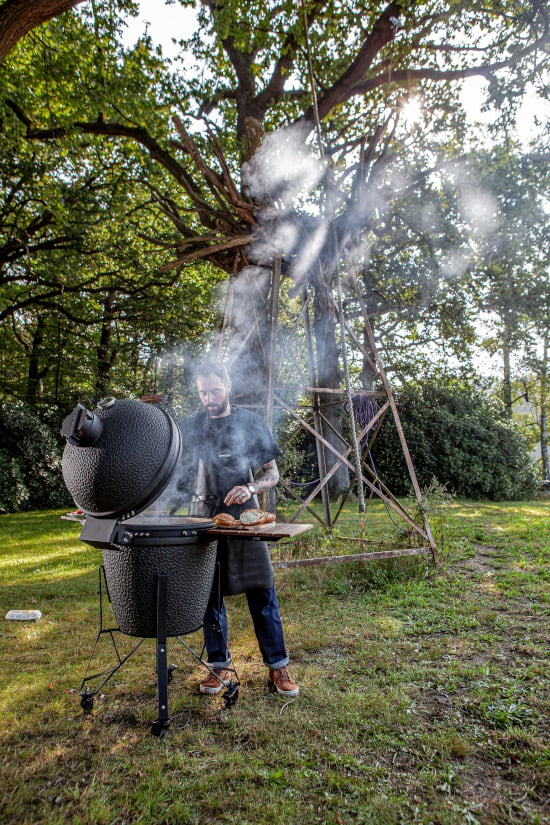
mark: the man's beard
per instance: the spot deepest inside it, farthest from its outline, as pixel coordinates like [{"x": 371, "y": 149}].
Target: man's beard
[{"x": 215, "y": 410}]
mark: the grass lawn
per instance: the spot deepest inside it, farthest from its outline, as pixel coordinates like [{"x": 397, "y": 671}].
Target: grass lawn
[{"x": 424, "y": 691}]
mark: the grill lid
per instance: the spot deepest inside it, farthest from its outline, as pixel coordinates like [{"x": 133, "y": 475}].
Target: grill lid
[{"x": 119, "y": 458}]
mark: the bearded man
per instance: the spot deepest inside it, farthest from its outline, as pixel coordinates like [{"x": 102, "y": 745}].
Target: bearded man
[{"x": 234, "y": 458}]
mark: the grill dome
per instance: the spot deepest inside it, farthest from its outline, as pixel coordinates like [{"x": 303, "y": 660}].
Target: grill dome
[{"x": 126, "y": 463}]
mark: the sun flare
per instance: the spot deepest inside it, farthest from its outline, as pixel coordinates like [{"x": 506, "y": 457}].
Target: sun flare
[{"x": 412, "y": 111}]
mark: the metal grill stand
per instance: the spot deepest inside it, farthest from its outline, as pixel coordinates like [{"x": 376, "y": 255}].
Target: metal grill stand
[
  {"x": 164, "y": 671},
  {"x": 138, "y": 561}
]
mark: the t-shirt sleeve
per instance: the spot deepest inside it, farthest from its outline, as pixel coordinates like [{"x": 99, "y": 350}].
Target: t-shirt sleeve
[{"x": 261, "y": 447}]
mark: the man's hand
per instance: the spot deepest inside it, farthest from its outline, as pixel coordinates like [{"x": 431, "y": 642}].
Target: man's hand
[
  {"x": 266, "y": 478},
  {"x": 238, "y": 495}
]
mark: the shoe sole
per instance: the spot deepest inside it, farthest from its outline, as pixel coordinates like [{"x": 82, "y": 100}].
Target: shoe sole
[
  {"x": 289, "y": 693},
  {"x": 211, "y": 691}
]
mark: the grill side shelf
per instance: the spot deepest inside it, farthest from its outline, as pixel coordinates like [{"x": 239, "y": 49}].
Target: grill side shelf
[{"x": 268, "y": 532}]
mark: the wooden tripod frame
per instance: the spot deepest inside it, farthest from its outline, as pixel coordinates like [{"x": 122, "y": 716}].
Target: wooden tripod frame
[{"x": 318, "y": 423}]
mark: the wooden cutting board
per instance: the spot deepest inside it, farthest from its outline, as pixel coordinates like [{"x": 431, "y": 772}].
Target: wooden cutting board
[{"x": 267, "y": 532}]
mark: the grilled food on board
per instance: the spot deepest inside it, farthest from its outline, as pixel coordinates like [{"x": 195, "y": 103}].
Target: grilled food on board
[
  {"x": 225, "y": 520},
  {"x": 254, "y": 516},
  {"x": 250, "y": 518}
]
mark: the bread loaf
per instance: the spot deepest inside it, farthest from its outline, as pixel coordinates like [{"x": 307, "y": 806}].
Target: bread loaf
[
  {"x": 224, "y": 520},
  {"x": 254, "y": 516}
]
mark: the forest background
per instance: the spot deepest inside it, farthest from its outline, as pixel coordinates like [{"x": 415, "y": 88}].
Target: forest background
[{"x": 146, "y": 200}]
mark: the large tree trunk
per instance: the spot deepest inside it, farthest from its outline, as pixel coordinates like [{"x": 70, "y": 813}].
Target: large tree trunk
[
  {"x": 35, "y": 375},
  {"x": 105, "y": 356},
  {"x": 61, "y": 345},
  {"x": 369, "y": 374},
  {"x": 248, "y": 353},
  {"x": 18, "y": 17},
  {"x": 507, "y": 373}
]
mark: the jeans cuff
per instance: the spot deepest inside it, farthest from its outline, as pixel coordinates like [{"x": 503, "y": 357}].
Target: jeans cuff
[
  {"x": 276, "y": 665},
  {"x": 221, "y": 665}
]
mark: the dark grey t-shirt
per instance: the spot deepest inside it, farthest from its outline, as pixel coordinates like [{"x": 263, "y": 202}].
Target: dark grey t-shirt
[{"x": 231, "y": 449}]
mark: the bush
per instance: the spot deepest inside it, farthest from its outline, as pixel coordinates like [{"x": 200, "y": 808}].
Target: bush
[
  {"x": 458, "y": 437},
  {"x": 30, "y": 461}
]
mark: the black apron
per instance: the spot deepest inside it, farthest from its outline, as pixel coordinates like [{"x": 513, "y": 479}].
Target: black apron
[{"x": 244, "y": 564}]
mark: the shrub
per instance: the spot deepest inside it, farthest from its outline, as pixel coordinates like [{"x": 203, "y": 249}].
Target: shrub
[
  {"x": 30, "y": 461},
  {"x": 458, "y": 437}
]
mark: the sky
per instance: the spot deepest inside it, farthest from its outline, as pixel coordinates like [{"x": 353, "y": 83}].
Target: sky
[{"x": 163, "y": 23}]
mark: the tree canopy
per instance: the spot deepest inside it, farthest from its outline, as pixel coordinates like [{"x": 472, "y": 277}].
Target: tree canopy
[{"x": 285, "y": 131}]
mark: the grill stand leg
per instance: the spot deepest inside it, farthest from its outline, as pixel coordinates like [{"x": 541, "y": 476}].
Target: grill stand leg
[
  {"x": 164, "y": 671},
  {"x": 86, "y": 693},
  {"x": 162, "y": 723}
]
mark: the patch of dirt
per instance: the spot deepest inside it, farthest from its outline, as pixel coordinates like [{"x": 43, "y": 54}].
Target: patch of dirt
[
  {"x": 484, "y": 561},
  {"x": 500, "y": 780}
]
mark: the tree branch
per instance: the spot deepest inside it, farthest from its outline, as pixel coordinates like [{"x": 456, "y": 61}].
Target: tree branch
[
  {"x": 18, "y": 17},
  {"x": 274, "y": 90},
  {"x": 383, "y": 31}
]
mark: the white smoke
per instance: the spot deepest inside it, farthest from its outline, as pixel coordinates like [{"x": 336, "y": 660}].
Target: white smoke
[
  {"x": 479, "y": 209},
  {"x": 456, "y": 262},
  {"x": 275, "y": 238},
  {"x": 284, "y": 169},
  {"x": 308, "y": 253}
]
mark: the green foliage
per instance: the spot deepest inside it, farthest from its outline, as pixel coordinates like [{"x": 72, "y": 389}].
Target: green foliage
[
  {"x": 30, "y": 461},
  {"x": 84, "y": 309},
  {"x": 96, "y": 193},
  {"x": 458, "y": 437}
]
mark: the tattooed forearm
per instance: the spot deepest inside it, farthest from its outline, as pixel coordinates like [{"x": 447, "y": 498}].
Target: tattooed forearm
[{"x": 267, "y": 477}]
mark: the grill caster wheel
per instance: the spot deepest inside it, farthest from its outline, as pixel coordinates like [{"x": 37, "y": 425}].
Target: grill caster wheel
[
  {"x": 231, "y": 694},
  {"x": 87, "y": 702},
  {"x": 160, "y": 727}
]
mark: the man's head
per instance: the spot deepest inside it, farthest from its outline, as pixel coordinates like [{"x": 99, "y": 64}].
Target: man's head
[{"x": 213, "y": 385}]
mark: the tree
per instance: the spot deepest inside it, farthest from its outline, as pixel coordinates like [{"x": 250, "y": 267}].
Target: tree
[
  {"x": 30, "y": 461},
  {"x": 234, "y": 169},
  {"x": 536, "y": 363},
  {"x": 459, "y": 438},
  {"x": 508, "y": 281},
  {"x": 78, "y": 275}
]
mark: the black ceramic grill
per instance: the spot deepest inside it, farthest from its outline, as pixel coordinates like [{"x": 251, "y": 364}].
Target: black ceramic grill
[
  {"x": 119, "y": 458},
  {"x": 158, "y": 569},
  {"x": 148, "y": 547},
  {"x": 117, "y": 461}
]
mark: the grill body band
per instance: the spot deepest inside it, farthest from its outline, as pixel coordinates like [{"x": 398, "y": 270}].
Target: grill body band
[{"x": 131, "y": 576}]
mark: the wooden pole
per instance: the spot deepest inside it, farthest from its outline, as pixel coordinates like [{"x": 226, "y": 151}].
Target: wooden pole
[
  {"x": 394, "y": 504},
  {"x": 354, "y": 557},
  {"x": 399, "y": 428},
  {"x": 272, "y": 356}
]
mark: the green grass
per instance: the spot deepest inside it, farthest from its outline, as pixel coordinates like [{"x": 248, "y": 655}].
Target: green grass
[{"x": 424, "y": 691}]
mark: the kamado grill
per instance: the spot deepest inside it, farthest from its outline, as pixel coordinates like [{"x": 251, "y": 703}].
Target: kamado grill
[{"x": 158, "y": 570}]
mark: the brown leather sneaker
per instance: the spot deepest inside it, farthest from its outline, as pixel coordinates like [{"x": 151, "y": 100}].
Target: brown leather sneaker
[
  {"x": 283, "y": 681},
  {"x": 213, "y": 685}
]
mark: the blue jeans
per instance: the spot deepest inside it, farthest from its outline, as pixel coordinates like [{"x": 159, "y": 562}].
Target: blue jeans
[{"x": 264, "y": 609}]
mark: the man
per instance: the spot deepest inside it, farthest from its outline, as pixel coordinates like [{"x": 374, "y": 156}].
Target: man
[{"x": 234, "y": 459}]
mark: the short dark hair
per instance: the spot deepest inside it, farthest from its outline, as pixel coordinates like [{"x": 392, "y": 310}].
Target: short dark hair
[{"x": 211, "y": 366}]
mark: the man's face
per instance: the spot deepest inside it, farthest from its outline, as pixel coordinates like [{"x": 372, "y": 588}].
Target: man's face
[{"x": 214, "y": 395}]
